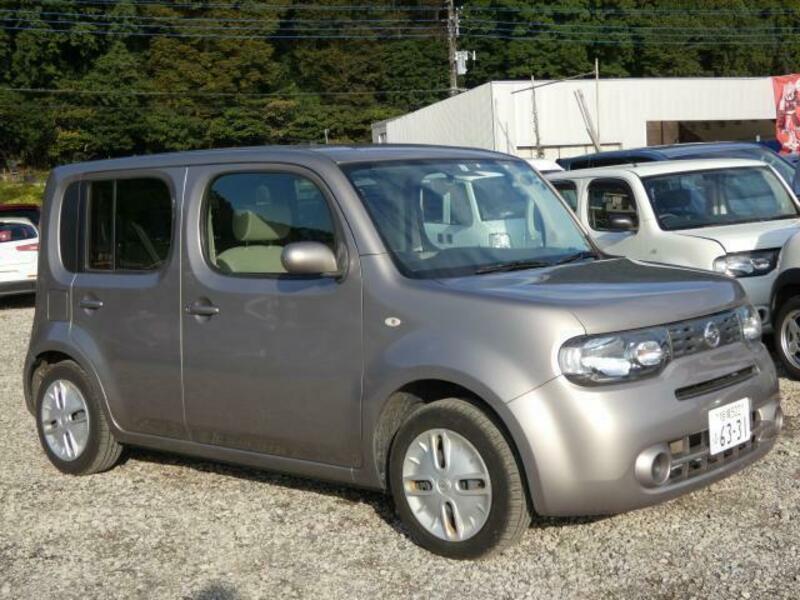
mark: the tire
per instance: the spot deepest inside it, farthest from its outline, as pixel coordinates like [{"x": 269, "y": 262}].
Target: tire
[
  {"x": 77, "y": 439},
  {"x": 465, "y": 529},
  {"x": 789, "y": 311}
]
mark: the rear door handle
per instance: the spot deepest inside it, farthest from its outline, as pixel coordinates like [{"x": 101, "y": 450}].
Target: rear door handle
[
  {"x": 201, "y": 309},
  {"x": 90, "y": 303}
]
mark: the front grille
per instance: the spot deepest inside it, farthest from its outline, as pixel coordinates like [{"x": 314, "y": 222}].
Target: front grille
[
  {"x": 691, "y": 457},
  {"x": 715, "y": 385},
  {"x": 688, "y": 337}
]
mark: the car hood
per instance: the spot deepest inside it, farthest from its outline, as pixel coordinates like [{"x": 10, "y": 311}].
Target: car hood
[
  {"x": 748, "y": 236},
  {"x": 612, "y": 294}
]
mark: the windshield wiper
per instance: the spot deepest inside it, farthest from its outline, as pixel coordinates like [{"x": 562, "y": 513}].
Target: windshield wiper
[
  {"x": 576, "y": 257},
  {"x": 519, "y": 265},
  {"x": 516, "y": 265}
]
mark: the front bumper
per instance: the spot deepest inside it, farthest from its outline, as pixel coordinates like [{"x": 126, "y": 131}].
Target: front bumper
[{"x": 580, "y": 444}]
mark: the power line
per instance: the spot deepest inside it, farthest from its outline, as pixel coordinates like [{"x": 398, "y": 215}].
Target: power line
[
  {"x": 141, "y": 27},
  {"x": 270, "y": 19},
  {"x": 365, "y": 36},
  {"x": 145, "y": 93},
  {"x": 237, "y": 6},
  {"x": 629, "y": 42}
]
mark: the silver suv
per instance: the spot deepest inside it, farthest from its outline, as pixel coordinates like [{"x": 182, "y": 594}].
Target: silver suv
[{"x": 288, "y": 309}]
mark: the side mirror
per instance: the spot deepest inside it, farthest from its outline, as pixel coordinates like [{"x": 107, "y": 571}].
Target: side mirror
[
  {"x": 622, "y": 223},
  {"x": 309, "y": 258}
]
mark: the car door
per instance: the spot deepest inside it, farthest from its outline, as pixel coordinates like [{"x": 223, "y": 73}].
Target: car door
[
  {"x": 612, "y": 216},
  {"x": 272, "y": 363},
  {"x": 125, "y": 295}
]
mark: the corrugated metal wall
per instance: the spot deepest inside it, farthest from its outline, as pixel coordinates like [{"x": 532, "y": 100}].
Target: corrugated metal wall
[
  {"x": 463, "y": 120},
  {"x": 491, "y": 116}
]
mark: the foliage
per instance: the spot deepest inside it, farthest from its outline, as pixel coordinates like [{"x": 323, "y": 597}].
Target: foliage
[
  {"x": 83, "y": 80},
  {"x": 21, "y": 193}
]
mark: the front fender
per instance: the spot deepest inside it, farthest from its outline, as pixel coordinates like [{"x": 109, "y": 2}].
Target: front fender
[{"x": 788, "y": 271}]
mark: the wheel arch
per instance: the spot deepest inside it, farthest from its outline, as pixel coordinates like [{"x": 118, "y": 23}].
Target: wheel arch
[
  {"x": 402, "y": 403},
  {"x": 786, "y": 286},
  {"x": 50, "y": 355}
]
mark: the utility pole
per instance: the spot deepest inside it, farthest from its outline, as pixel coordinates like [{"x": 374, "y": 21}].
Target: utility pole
[
  {"x": 597, "y": 98},
  {"x": 536, "y": 139},
  {"x": 452, "y": 34}
]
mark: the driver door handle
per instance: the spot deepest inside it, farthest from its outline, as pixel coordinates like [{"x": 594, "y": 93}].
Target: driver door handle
[
  {"x": 90, "y": 303},
  {"x": 201, "y": 309}
]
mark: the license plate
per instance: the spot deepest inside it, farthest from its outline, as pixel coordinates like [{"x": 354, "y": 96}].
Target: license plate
[{"x": 729, "y": 425}]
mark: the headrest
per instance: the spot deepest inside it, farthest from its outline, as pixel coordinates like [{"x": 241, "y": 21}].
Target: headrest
[
  {"x": 671, "y": 200},
  {"x": 271, "y": 224}
]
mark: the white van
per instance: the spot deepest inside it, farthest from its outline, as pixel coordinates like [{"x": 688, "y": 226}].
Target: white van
[{"x": 727, "y": 215}]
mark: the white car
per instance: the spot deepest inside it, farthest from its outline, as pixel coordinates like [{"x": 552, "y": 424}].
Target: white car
[
  {"x": 732, "y": 216},
  {"x": 19, "y": 251},
  {"x": 545, "y": 166}
]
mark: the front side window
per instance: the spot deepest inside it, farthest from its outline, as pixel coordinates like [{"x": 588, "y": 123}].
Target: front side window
[
  {"x": 718, "y": 197},
  {"x": 249, "y": 218},
  {"x": 568, "y": 191},
  {"x": 129, "y": 225},
  {"x": 610, "y": 199},
  {"x": 517, "y": 220}
]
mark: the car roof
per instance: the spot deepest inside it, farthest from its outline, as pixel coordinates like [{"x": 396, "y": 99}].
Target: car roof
[
  {"x": 667, "y": 151},
  {"x": 16, "y": 221},
  {"x": 335, "y": 154},
  {"x": 657, "y": 168},
  {"x": 18, "y": 206}
]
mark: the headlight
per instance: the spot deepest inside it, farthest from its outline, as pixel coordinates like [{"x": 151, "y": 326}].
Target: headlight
[
  {"x": 747, "y": 264},
  {"x": 617, "y": 357},
  {"x": 750, "y": 322}
]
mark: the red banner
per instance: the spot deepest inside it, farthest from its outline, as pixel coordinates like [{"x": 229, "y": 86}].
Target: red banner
[{"x": 786, "y": 89}]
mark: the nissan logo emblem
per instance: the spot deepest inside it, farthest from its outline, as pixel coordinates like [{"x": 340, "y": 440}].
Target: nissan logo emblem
[{"x": 711, "y": 334}]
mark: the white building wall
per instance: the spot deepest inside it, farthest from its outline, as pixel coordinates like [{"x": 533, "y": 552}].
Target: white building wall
[
  {"x": 492, "y": 116},
  {"x": 463, "y": 120},
  {"x": 626, "y": 105}
]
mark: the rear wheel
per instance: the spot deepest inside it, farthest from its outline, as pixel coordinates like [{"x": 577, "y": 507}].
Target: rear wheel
[
  {"x": 456, "y": 483},
  {"x": 787, "y": 331},
  {"x": 71, "y": 424}
]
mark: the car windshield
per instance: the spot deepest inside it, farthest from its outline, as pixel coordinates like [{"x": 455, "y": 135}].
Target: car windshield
[
  {"x": 451, "y": 218},
  {"x": 718, "y": 197},
  {"x": 784, "y": 169}
]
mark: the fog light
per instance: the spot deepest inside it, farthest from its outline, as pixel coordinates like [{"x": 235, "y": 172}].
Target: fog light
[{"x": 653, "y": 466}]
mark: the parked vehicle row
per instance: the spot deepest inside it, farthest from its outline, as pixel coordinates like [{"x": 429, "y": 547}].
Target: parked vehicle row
[
  {"x": 19, "y": 245},
  {"x": 432, "y": 322},
  {"x": 692, "y": 151}
]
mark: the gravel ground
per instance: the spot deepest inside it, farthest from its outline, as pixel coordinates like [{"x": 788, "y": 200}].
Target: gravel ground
[{"x": 170, "y": 527}]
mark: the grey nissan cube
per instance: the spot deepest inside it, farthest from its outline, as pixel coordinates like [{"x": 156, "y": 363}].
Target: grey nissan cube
[{"x": 428, "y": 321}]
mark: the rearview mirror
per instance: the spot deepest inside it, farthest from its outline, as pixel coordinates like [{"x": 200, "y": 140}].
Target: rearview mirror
[
  {"x": 622, "y": 223},
  {"x": 309, "y": 258}
]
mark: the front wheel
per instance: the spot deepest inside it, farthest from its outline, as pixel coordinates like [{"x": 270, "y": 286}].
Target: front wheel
[
  {"x": 455, "y": 481},
  {"x": 787, "y": 333}
]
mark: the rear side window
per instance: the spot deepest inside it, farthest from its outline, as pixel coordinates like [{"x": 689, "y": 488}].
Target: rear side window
[
  {"x": 568, "y": 191},
  {"x": 129, "y": 225},
  {"x": 609, "y": 198},
  {"x": 249, "y": 218},
  {"x": 15, "y": 232}
]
